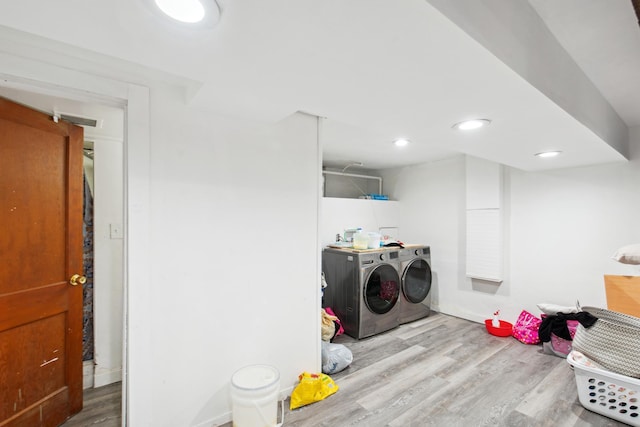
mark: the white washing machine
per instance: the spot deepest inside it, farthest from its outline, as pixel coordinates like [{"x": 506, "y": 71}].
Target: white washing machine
[
  {"x": 415, "y": 273},
  {"x": 363, "y": 289}
]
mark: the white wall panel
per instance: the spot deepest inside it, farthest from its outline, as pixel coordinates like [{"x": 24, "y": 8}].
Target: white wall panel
[
  {"x": 484, "y": 244},
  {"x": 484, "y": 219}
]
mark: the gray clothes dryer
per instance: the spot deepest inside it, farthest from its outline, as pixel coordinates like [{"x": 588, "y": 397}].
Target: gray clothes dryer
[
  {"x": 415, "y": 271},
  {"x": 363, "y": 289}
]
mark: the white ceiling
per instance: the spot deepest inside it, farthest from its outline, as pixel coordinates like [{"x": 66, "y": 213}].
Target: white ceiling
[
  {"x": 376, "y": 70},
  {"x": 603, "y": 37}
]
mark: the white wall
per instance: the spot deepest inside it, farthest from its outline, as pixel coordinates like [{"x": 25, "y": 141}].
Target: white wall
[
  {"x": 108, "y": 260},
  {"x": 235, "y": 278},
  {"x": 432, "y": 201},
  {"x": 340, "y": 214},
  {"x": 566, "y": 224},
  {"x": 561, "y": 228}
]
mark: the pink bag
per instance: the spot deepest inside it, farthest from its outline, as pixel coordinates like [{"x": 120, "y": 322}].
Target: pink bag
[
  {"x": 526, "y": 328},
  {"x": 559, "y": 346}
]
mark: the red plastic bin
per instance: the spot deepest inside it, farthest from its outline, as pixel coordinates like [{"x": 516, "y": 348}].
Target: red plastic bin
[{"x": 504, "y": 330}]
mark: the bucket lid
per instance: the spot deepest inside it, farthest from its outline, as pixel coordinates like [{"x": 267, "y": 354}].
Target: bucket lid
[{"x": 255, "y": 377}]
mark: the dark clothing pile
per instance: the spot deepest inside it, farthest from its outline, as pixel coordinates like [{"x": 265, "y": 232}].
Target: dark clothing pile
[{"x": 557, "y": 324}]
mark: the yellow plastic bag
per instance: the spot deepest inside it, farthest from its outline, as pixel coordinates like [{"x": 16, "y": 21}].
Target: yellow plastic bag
[{"x": 312, "y": 388}]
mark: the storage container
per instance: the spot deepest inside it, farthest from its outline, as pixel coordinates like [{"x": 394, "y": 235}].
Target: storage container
[
  {"x": 504, "y": 330},
  {"x": 607, "y": 393},
  {"x": 254, "y": 396},
  {"x": 373, "y": 241},
  {"x": 360, "y": 240},
  {"x": 613, "y": 341}
]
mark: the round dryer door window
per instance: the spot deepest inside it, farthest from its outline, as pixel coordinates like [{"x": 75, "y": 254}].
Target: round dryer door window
[
  {"x": 416, "y": 282},
  {"x": 382, "y": 289}
]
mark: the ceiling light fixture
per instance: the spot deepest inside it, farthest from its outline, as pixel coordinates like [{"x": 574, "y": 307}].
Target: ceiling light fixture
[
  {"x": 472, "y": 124},
  {"x": 401, "y": 142},
  {"x": 187, "y": 11},
  {"x": 548, "y": 153}
]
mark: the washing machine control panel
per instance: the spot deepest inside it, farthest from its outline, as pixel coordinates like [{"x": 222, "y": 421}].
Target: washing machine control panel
[
  {"x": 423, "y": 251},
  {"x": 390, "y": 255}
]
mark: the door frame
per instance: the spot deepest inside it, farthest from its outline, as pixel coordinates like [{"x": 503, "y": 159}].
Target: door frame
[{"x": 32, "y": 76}]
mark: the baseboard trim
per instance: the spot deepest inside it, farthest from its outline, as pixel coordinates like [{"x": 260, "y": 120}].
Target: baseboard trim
[
  {"x": 87, "y": 374},
  {"x": 104, "y": 376},
  {"x": 227, "y": 417},
  {"x": 217, "y": 421}
]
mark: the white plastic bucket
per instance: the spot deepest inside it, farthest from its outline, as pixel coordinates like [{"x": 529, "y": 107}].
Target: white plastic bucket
[
  {"x": 374, "y": 240},
  {"x": 254, "y": 396}
]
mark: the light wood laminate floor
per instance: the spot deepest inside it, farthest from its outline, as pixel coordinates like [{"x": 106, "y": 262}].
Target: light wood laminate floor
[
  {"x": 439, "y": 371},
  {"x": 102, "y": 407},
  {"x": 445, "y": 371}
]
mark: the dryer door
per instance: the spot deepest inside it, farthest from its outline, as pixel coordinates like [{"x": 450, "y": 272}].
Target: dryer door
[
  {"x": 416, "y": 280},
  {"x": 382, "y": 289}
]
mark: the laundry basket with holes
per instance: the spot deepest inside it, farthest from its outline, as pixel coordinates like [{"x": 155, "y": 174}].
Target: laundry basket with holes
[{"x": 612, "y": 395}]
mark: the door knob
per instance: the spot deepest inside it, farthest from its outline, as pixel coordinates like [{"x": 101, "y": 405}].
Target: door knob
[{"x": 77, "y": 279}]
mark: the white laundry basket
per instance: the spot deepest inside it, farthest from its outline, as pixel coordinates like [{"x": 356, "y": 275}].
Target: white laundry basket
[
  {"x": 612, "y": 395},
  {"x": 613, "y": 341}
]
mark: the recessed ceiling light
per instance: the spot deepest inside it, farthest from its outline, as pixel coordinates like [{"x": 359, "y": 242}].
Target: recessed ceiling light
[
  {"x": 188, "y": 11},
  {"x": 548, "y": 153},
  {"x": 401, "y": 142},
  {"x": 472, "y": 124}
]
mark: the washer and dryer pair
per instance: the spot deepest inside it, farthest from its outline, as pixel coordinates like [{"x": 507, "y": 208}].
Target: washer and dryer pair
[{"x": 376, "y": 290}]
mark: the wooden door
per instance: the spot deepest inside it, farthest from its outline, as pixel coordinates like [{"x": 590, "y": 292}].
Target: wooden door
[{"x": 40, "y": 249}]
